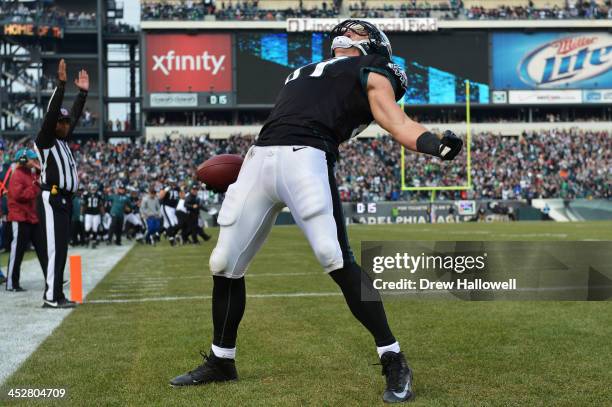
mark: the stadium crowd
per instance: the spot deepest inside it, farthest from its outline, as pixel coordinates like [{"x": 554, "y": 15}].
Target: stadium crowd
[
  {"x": 24, "y": 12},
  {"x": 573, "y": 9},
  {"x": 558, "y": 163},
  {"x": 450, "y": 10},
  {"x": 228, "y": 10}
]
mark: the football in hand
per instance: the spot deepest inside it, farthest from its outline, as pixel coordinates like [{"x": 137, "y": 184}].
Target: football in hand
[{"x": 220, "y": 171}]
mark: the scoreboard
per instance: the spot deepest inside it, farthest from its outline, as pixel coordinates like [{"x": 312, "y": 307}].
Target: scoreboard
[{"x": 247, "y": 68}]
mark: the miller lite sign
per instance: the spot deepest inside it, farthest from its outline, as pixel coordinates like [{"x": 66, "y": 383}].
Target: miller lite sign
[{"x": 552, "y": 60}]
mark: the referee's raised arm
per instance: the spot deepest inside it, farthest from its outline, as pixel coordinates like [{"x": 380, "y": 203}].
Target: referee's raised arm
[
  {"x": 46, "y": 135},
  {"x": 82, "y": 82}
]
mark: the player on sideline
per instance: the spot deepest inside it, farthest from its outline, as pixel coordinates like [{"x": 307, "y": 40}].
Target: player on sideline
[
  {"x": 169, "y": 198},
  {"x": 321, "y": 105},
  {"x": 93, "y": 209}
]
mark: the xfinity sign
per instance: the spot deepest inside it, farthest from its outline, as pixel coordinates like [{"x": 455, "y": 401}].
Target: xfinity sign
[
  {"x": 185, "y": 63},
  {"x": 173, "y": 62}
]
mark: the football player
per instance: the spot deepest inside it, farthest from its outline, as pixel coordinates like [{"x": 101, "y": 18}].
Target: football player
[
  {"x": 93, "y": 209},
  {"x": 169, "y": 199},
  {"x": 133, "y": 224},
  {"x": 292, "y": 164},
  {"x": 194, "y": 205}
]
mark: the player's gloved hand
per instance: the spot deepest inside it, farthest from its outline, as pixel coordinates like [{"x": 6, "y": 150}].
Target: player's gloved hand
[{"x": 450, "y": 145}]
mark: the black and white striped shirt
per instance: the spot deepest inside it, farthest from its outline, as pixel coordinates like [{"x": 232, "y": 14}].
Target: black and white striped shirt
[
  {"x": 58, "y": 166},
  {"x": 57, "y": 162}
]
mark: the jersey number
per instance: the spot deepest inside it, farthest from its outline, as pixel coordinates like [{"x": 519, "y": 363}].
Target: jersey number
[
  {"x": 93, "y": 202},
  {"x": 317, "y": 72}
]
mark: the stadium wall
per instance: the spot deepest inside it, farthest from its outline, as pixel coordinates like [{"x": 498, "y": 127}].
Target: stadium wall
[
  {"x": 577, "y": 210},
  {"x": 404, "y": 212}
]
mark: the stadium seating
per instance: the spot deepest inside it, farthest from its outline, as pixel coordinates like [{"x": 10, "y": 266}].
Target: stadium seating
[
  {"x": 236, "y": 10},
  {"x": 443, "y": 9}
]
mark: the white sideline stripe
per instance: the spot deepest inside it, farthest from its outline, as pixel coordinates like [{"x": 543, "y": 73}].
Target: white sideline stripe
[
  {"x": 149, "y": 281},
  {"x": 208, "y": 297},
  {"x": 322, "y": 294},
  {"x": 24, "y": 324}
]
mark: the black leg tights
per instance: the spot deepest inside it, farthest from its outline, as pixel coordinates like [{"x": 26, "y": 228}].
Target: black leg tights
[
  {"x": 228, "y": 302},
  {"x": 352, "y": 280}
]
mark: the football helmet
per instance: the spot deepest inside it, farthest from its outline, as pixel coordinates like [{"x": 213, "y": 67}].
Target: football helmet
[{"x": 376, "y": 43}]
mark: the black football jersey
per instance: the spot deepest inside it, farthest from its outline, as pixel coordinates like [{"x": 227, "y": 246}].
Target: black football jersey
[
  {"x": 171, "y": 198},
  {"x": 93, "y": 203},
  {"x": 134, "y": 205},
  {"x": 324, "y": 104}
]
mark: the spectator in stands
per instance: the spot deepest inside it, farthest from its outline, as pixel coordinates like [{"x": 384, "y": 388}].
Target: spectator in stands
[{"x": 87, "y": 119}]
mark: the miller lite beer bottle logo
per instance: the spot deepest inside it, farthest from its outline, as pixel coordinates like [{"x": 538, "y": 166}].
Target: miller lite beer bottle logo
[{"x": 563, "y": 62}]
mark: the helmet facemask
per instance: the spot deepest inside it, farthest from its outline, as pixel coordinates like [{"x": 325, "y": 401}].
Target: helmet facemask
[{"x": 376, "y": 43}]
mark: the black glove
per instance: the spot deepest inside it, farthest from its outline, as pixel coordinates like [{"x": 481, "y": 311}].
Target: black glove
[{"x": 450, "y": 145}]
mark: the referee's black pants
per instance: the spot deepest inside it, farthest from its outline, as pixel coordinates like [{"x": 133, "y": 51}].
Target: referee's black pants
[
  {"x": 54, "y": 213},
  {"x": 24, "y": 233}
]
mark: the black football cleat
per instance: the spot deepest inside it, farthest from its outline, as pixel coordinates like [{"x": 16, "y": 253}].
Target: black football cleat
[
  {"x": 213, "y": 369},
  {"x": 61, "y": 304},
  {"x": 398, "y": 376}
]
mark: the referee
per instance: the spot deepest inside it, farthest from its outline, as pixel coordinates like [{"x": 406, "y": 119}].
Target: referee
[{"x": 59, "y": 181}]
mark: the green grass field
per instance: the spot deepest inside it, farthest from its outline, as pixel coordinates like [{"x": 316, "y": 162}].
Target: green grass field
[{"x": 310, "y": 350}]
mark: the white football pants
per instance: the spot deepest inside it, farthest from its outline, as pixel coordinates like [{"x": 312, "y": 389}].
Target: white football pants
[
  {"x": 271, "y": 178},
  {"x": 169, "y": 216},
  {"x": 92, "y": 222}
]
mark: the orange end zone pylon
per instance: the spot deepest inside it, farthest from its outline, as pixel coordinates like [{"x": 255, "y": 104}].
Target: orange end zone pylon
[{"x": 76, "y": 282}]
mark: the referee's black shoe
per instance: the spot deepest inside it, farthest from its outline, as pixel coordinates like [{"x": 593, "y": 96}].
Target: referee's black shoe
[
  {"x": 398, "y": 376},
  {"x": 214, "y": 369},
  {"x": 17, "y": 289},
  {"x": 60, "y": 304}
]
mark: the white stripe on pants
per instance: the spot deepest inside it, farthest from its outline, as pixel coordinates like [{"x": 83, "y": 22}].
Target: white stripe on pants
[
  {"x": 50, "y": 235},
  {"x": 11, "y": 266},
  {"x": 169, "y": 214}
]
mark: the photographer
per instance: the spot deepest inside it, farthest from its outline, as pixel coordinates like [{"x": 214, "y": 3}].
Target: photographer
[{"x": 22, "y": 193}]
